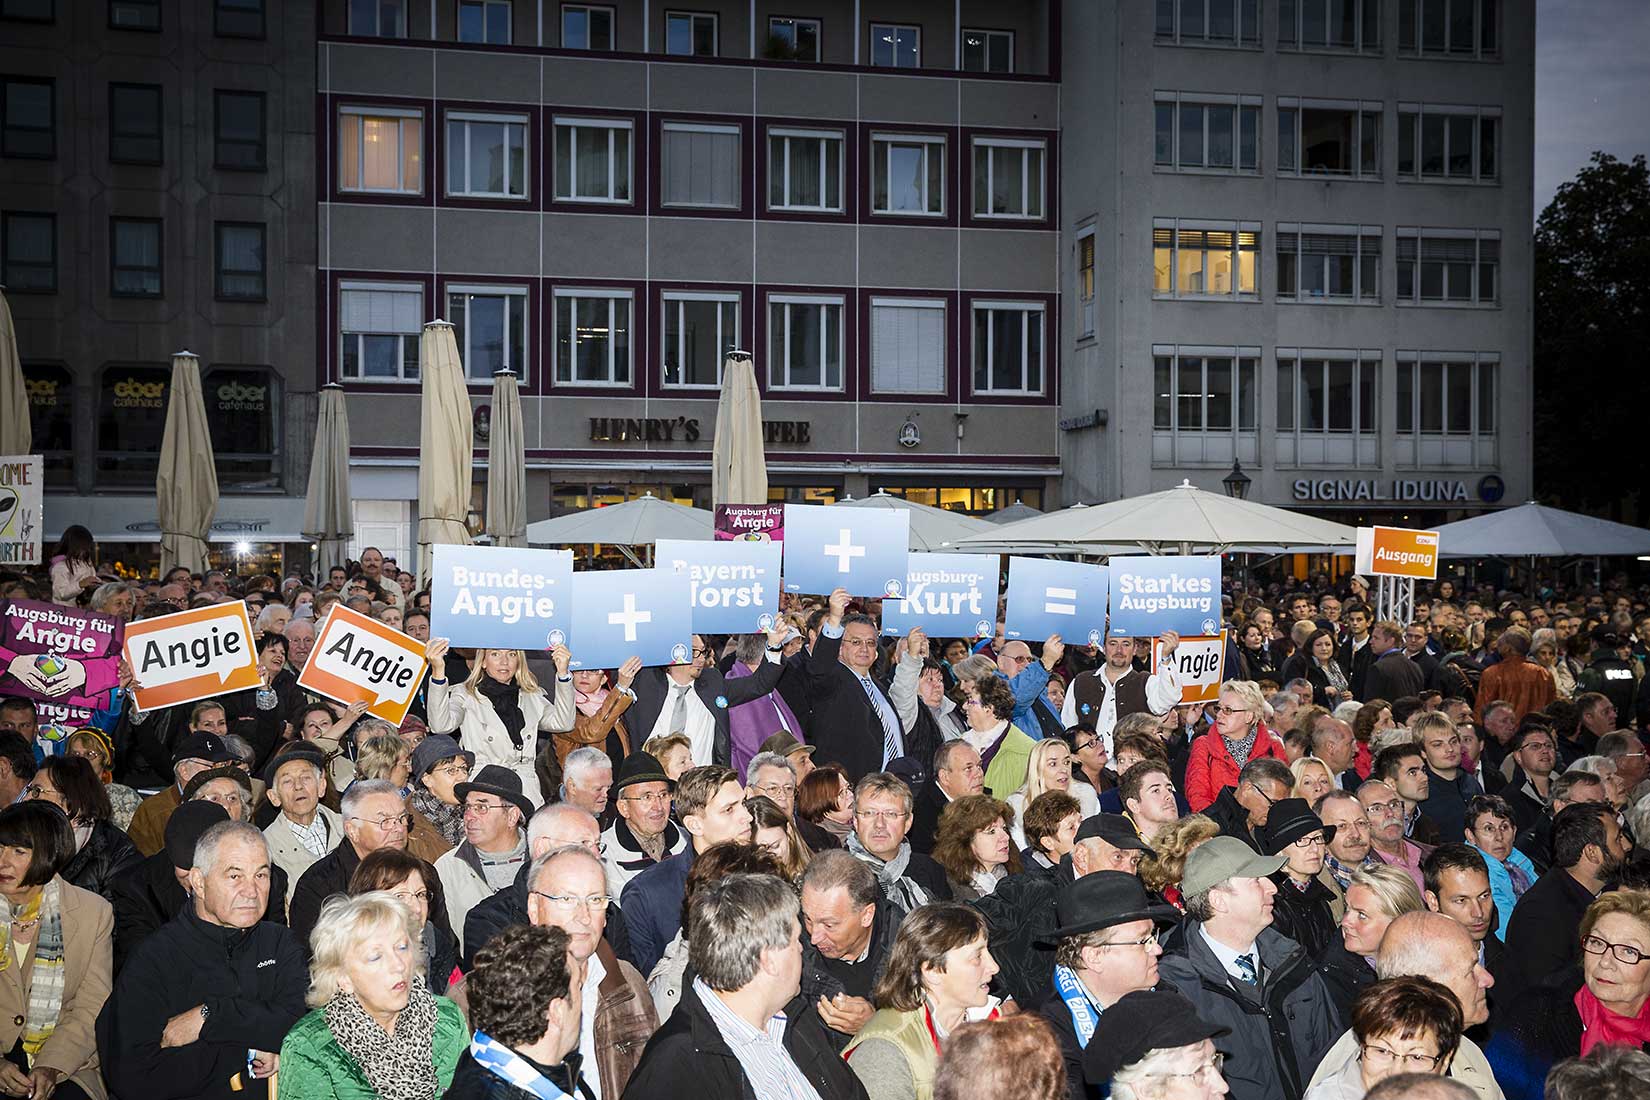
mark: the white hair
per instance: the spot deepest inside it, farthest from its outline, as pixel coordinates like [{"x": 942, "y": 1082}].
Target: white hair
[
  {"x": 1601, "y": 766},
  {"x": 363, "y": 789},
  {"x": 1348, "y": 711},
  {"x": 769, "y": 760},
  {"x": 582, "y": 761},
  {"x": 1126, "y": 1082},
  {"x": 544, "y": 820},
  {"x": 206, "y": 848}
]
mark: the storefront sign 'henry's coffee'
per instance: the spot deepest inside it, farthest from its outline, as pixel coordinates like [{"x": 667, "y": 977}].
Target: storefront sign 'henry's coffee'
[{"x": 685, "y": 429}]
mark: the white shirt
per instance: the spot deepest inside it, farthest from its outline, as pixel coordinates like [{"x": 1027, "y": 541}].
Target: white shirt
[
  {"x": 591, "y": 993},
  {"x": 1228, "y": 957},
  {"x": 700, "y": 726},
  {"x": 1162, "y": 693}
]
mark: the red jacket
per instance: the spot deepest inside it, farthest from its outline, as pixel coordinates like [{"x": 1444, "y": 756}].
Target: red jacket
[{"x": 1210, "y": 767}]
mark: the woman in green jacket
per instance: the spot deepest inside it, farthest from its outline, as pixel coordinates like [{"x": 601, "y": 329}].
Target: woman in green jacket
[{"x": 376, "y": 1030}]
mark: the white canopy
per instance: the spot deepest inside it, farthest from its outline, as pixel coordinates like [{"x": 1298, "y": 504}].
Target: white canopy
[
  {"x": 1182, "y": 520},
  {"x": 1534, "y": 530},
  {"x": 1013, "y": 513},
  {"x": 932, "y": 529},
  {"x": 639, "y": 522}
]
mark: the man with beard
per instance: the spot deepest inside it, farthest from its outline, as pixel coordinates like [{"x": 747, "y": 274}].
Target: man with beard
[{"x": 1347, "y": 847}]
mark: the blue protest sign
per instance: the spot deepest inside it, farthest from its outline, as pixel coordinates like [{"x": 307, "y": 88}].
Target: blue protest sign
[
  {"x": 622, "y": 613},
  {"x": 860, "y": 549},
  {"x": 1152, "y": 594},
  {"x": 500, "y": 597},
  {"x": 734, "y": 585},
  {"x": 1046, "y": 596},
  {"x": 948, "y": 595}
]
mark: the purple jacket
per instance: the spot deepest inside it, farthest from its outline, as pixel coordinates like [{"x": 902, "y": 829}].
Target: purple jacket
[{"x": 750, "y": 724}]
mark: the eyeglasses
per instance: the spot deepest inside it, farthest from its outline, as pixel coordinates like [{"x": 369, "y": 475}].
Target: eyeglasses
[
  {"x": 1396, "y": 806},
  {"x": 1224, "y": 709},
  {"x": 457, "y": 771},
  {"x": 657, "y": 799},
  {"x": 786, "y": 789},
  {"x": 401, "y": 821},
  {"x": 1144, "y": 941},
  {"x": 1624, "y": 953},
  {"x": 879, "y": 815},
  {"x": 1270, "y": 801},
  {"x": 1417, "y": 1063},
  {"x": 1081, "y": 745},
  {"x": 700, "y": 653},
  {"x": 1314, "y": 841},
  {"x": 480, "y": 809},
  {"x": 422, "y": 896},
  {"x": 1201, "y": 1075},
  {"x": 567, "y": 903},
  {"x": 35, "y": 790}
]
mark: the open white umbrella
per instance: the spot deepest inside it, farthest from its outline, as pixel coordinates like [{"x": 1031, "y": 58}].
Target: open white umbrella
[
  {"x": 932, "y": 529},
  {"x": 186, "y": 484},
  {"x": 1182, "y": 520},
  {"x": 327, "y": 519},
  {"x": 1014, "y": 513},
  {"x": 1535, "y": 530},
  {"x": 444, "y": 450},
  {"x": 507, "y": 465},
  {"x": 639, "y": 522},
  {"x": 738, "y": 467},
  {"x": 15, "y": 434}
]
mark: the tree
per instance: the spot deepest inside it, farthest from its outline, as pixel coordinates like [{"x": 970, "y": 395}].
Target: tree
[{"x": 1592, "y": 336}]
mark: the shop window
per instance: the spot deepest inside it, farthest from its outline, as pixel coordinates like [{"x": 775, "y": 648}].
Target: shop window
[
  {"x": 50, "y": 387},
  {"x": 243, "y": 418},
  {"x": 131, "y": 422}
]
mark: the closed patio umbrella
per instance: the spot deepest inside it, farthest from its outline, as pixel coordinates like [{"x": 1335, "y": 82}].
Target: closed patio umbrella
[
  {"x": 327, "y": 519},
  {"x": 186, "y": 485},
  {"x": 444, "y": 451},
  {"x": 15, "y": 435},
  {"x": 507, "y": 465},
  {"x": 738, "y": 468}
]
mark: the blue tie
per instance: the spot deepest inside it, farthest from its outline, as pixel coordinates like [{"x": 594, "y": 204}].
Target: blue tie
[
  {"x": 890, "y": 721},
  {"x": 1246, "y": 968}
]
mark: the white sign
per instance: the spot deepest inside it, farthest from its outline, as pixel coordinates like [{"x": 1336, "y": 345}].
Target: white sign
[
  {"x": 1201, "y": 662},
  {"x": 21, "y": 479}
]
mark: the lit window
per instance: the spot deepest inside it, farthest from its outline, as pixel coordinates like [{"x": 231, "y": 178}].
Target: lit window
[
  {"x": 381, "y": 149},
  {"x": 1194, "y": 259}
]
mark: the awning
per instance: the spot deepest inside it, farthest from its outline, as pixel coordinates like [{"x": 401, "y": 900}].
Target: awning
[{"x": 134, "y": 519}]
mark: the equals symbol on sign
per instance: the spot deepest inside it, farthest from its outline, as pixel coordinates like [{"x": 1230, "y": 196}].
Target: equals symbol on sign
[{"x": 1067, "y": 601}]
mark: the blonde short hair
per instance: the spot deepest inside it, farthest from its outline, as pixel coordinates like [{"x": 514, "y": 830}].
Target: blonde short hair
[
  {"x": 1392, "y": 887},
  {"x": 1250, "y": 693},
  {"x": 344, "y": 922},
  {"x": 378, "y": 756}
]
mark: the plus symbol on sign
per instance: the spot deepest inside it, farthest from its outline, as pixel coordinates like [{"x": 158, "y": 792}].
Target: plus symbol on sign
[
  {"x": 629, "y": 618},
  {"x": 844, "y": 551}
]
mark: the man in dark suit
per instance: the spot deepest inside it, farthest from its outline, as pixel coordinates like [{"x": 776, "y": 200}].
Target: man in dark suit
[
  {"x": 1415, "y": 648},
  {"x": 957, "y": 773},
  {"x": 1392, "y": 675},
  {"x": 863, "y": 732},
  {"x": 694, "y": 698},
  {"x": 1356, "y": 654}
]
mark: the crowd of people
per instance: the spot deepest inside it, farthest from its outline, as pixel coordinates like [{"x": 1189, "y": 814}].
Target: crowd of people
[{"x": 1387, "y": 860}]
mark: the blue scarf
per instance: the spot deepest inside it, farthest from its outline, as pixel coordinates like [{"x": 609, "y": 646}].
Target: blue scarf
[
  {"x": 1084, "y": 1015},
  {"x": 503, "y": 1062}
]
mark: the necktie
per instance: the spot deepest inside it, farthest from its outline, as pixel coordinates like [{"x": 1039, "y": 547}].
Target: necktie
[
  {"x": 890, "y": 735},
  {"x": 678, "y": 712},
  {"x": 1246, "y": 968}
]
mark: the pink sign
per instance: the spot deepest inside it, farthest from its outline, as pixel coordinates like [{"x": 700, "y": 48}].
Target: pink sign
[
  {"x": 750, "y": 523},
  {"x": 60, "y": 655}
]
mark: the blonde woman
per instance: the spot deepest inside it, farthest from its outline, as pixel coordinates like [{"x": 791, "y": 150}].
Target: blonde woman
[
  {"x": 385, "y": 756},
  {"x": 500, "y": 710},
  {"x": 1049, "y": 770},
  {"x": 1313, "y": 779}
]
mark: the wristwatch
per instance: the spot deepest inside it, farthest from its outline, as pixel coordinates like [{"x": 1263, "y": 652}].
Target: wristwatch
[{"x": 206, "y": 1010}]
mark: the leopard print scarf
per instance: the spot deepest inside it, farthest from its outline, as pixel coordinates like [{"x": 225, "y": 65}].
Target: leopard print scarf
[{"x": 399, "y": 1066}]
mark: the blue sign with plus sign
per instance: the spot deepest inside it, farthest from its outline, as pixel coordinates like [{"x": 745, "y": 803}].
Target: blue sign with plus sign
[
  {"x": 622, "y": 613},
  {"x": 861, "y": 549}
]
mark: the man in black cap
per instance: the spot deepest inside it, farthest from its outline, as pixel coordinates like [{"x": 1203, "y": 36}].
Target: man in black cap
[
  {"x": 1105, "y": 948},
  {"x": 495, "y": 846},
  {"x": 305, "y": 830},
  {"x": 195, "y": 753},
  {"x": 1155, "y": 1036},
  {"x": 1023, "y": 910},
  {"x": 643, "y": 833}
]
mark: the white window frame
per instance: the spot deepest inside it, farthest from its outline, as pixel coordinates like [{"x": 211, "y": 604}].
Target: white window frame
[
  {"x": 1360, "y": 358},
  {"x": 577, "y": 294},
  {"x": 938, "y": 304},
  {"x": 1041, "y": 191},
  {"x": 494, "y": 290},
  {"x": 1417, "y": 48},
  {"x": 486, "y": 6},
  {"x": 1360, "y": 110},
  {"x": 613, "y": 126},
  {"x": 1414, "y": 360},
  {"x": 612, "y": 24},
  {"x": 1086, "y": 295},
  {"x": 988, "y": 35},
  {"x": 382, "y": 112},
  {"x": 1360, "y": 15},
  {"x": 932, "y": 144},
  {"x": 360, "y": 353},
  {"x": 1412, "y": 119},
  {"x": 896, "y": 28},
  {"x": 1237, "y": 229},
  {"x": 471, "y": 192},
  {"x": 796, "y": 23},
  {"x": 1357, "y": 233},
  {"x": 702, "y": 128},
  {"x": 832, "y": 138},
  {"x": 674, "y": 299},
  {"x": 400, "y": 30},
  {"x": 693, "y": 17},
  {"x": 1238, "y": 355},
  {"x": 823, "y": 300},
  {"x": 1179, "y": 101},
  {"x": 1478, "y": 237},
  {"x": 1009, "y": 306}
]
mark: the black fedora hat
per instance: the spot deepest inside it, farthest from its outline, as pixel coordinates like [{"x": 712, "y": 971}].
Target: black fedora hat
[
  {"x": 1103, "y": 899},
  {"x": 499, "y": 780},
  {"x": 640, "y": 767},
  {"x": 1139, "y": 1023},
  {"x": 1288, "y": 821}
]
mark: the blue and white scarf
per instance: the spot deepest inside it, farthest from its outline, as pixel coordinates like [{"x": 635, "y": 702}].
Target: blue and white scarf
[
  {"x": 1085, "y": 1016},
  {"x": 501, "y": 1061}
]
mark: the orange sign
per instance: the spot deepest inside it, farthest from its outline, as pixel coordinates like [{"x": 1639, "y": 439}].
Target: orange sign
[
  {"x": 1398, "y": 552},
  {"x": 191, "y": 655},
  {"x": 1200, "y": 662},
  {"x": 358, "y": 659}
]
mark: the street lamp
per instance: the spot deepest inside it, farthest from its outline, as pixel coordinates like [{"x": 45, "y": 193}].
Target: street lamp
[{"x": 1237, "y": 482}]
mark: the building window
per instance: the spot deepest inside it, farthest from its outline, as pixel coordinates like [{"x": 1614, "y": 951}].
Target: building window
[
  {"x": 51, "y": 388},
  {"x": 896, "y": 47},
  {"x": 238, "y": 18},
  {"x": 987, "y": 51},
  {"x": 804, "y": 343},
  {"x": 791, "y": 39},
  {"x": 1329, "y": 263},
  {"x": 1207, "y": 135},
  {"x": 1085, "y": 281},
  {"x": 1448, "y": 143},
  {"x": 378, "y": 18},
  {"x": 29, "y": 11},
  {"x": 242, "y": 417},
  {"x": 593, "y": 337},
  {"x": 805, "y": 170},
  {"x": 486, "y": 155},
  {"x": 908, "y": 345},
  {"x": 701, "y": 166},
  {"x": 699, "y": 330},
  {"x": 28, "y": 252},
  {"x": 1446, "y": 394},
  {"x": 28, "y": 118},
  {"x": 586, "y": 27},
  {"x": 1450, "y": 28},
  {"x": 690, "y": 33},
  {"x": 490, "y": 325},
  {"x": 135, "y": 266},
  {"x": 907, "y": 174},
  {"x": 239, "y": 135},
  {"x": 381, "y": 149},
  {"x": 1209, "y": 22},
  {"x": 131, "y": 423},
  {"x": 1455, "y": 266},
  {"x": 1008, "y": 178},
  {"x": 1330, "y": 25},
  {"x": 134, "y": 15},
  {"x": 486, "y": 21},
  {"x": 1327, "y": 401},
  {"x": 135, "y": 123},
  {"x": 241, "y": 267},
  {"x": 379, "y": 325},
  {"x": 1196, "y": 259},
  {"x": 593, "y": 160},
  {"x": 1204, "y": 389},
  {"x": 1329, "y": 137},
  {"x": 1008, "y": 348}
]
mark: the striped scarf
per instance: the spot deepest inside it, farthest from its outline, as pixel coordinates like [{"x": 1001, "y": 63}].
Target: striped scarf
[{"x": 47, "y": 978}]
